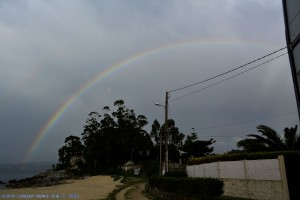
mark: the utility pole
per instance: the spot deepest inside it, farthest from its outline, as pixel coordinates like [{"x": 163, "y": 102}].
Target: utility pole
[
  {"x": 160, "y": 150},
  {"x": 166, "y": 134},
  {"x": 166, "y": 163}
]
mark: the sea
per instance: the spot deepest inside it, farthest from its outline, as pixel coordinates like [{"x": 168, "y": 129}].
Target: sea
[{"x": 18, "y": 171}]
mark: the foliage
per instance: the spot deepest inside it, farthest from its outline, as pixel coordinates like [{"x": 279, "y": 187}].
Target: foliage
[
  {"x": 196, "y": 148},
  {"x": 109, "y": 140},
  {"x": 176, "y": 174},
  {"x": 241, "y": 156},
  {"x": 150, "y": 168},
  {"x": 270, "y": 140},
  {"x": 116, "y": 138},
  {"x": 73, "y": 147},
  {"x": 130, "y": 181},
  {"x": 229, "y": 198},
  {"x": 155, "y": 131},
  {"x": 183, "y": 188},
  {"x": 175, "y": 139}
]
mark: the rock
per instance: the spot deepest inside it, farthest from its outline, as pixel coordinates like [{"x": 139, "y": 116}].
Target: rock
[
  {"x": 1, "y": 182},
  {"x": 47, "y": 178},
  {"x": 75, "y": 161}
]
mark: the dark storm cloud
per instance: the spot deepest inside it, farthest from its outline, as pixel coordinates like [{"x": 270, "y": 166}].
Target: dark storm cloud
[{"x": 49, "y": 49}]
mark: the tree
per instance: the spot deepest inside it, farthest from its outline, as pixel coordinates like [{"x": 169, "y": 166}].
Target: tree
[
  {"x": 191, "y": 138},
  {"x": 90, "y": 137},
  {"x": 291, "y": 138},
  {"x": 175, "y": 140},
  {"x": 73, "y": 147},
  {"x": 115, "y": 137},
  {"x": 198, "y": 148},
  {"x": 270, "y": 140},
  {"x": 155, "y": 132}
]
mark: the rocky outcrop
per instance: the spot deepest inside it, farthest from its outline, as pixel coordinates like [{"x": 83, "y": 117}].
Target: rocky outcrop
[
  {"x": 47, "y": 178},
  {"x": 76, "y": 161}
]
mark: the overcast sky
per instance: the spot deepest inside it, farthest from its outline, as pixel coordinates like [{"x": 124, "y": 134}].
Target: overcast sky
[{"x": 50, "y": 49}]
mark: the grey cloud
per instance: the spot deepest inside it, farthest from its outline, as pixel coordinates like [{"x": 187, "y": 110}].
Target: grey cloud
[{"x": 50, "y": 49}]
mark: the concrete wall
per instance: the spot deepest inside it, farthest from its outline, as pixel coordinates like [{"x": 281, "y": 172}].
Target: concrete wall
[{"x": 254, "y": 179}]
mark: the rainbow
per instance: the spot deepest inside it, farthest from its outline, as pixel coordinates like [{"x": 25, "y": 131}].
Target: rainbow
[{"x": 109, "y": 70}]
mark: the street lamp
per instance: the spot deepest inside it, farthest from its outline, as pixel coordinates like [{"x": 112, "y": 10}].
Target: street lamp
[{"x": 157, "y": 104}]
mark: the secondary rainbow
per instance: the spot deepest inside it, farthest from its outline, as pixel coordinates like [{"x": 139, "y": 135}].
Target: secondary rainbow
[{"x": 126, "y": 62}]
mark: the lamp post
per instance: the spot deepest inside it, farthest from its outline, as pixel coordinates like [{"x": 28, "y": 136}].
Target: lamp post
[{"x": 166, "y": 166}]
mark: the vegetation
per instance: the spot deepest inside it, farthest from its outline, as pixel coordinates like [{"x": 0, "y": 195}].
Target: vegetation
[
  {"x": 127, "y": 182},
  {"x": 242, "y": 156},
  {"x": 109, "y": 140},
  {"x": 73, "y": 147},
  {"x": 191, "y": 147},
  {"x": 186, "y": 188},
  {"x": 229, "y": 198},
  {"x": 270, "y": 140},
  {"x": 176, "y": 174},
  {"x": 197, "y": 148},
  {"x": 118, "y": 135}
]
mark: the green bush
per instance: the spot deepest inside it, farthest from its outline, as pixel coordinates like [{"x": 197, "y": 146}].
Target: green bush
[
  {"x": 176, "y": 174},
  {"x": 240, "y": 156},
  {"x": 150, "y": 168},
  {"x": 183, "y": 188}
]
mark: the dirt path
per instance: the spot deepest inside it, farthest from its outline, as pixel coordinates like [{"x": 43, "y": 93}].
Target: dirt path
[
  {"x": 133, "y": 192},
  {"x": 121, "y": 194}
]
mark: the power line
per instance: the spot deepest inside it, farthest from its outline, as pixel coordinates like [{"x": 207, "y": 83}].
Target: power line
[
  {"x": 227, "y": 71},
  {"x": 174, "y": 99},
  {"x": 241, "y": 122},
  {"x": 224, "y": 136},
  {"x": 247, "y": 121}
]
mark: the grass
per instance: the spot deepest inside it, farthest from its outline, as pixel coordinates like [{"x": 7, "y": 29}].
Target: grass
[
  {"x": 131, "y": 181},
  {"x": 126, "y": 182},
  {"x": 129, "y": 192},
  {"x": 217, "y": 198},
  {"x": 229, "y": 198},
  {"x": 151, "y": 197}
]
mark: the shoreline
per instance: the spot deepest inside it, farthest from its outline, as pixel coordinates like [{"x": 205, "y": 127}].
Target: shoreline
[{"x": 93, "y": 187}]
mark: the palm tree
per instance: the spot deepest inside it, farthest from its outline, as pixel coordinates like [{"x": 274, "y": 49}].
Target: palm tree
[
  {"x": 291, "y": 139},
  {"x": 270, "y": 140}
]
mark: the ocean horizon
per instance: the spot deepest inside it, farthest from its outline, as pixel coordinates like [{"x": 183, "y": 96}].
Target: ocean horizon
[{"x": 19, "y": 171}]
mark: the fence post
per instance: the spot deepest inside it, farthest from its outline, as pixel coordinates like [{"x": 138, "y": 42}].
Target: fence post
[
  {"x": 218, "y": 168},
  {"x": 246, "y": 178},
  {"x": 194, "y": 169},
  {"x": 286, "y": 195}
]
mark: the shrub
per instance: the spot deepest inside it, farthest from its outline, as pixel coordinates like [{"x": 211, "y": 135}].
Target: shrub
[
  {"x": 240, "y": 156},
  {"x": 150, "y": 168},
  {"x": 176, "y": 174},
  {"x": 183, "y": 188}
]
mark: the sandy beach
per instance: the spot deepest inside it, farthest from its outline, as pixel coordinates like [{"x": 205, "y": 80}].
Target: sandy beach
[{"x": 95, "y": 187}]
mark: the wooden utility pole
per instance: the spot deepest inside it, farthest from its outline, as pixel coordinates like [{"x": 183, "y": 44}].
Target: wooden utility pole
[
  {"x": 166, "y": 134},
  {"x": 160, "y": 150}
]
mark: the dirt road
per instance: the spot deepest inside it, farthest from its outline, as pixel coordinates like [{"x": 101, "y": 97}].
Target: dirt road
[{"x": 133, "y": 192}]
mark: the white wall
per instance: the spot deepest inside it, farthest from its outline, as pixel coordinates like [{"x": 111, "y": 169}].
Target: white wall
[{"x": 255, "y": 179}]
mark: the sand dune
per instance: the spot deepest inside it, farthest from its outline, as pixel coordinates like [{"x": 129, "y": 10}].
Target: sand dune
[{"x": 95, "y": 187}]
